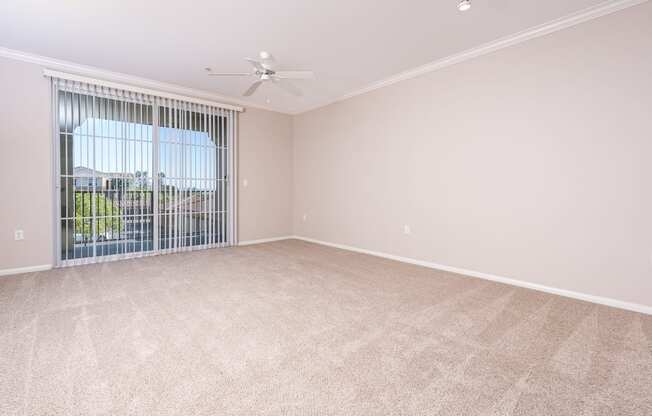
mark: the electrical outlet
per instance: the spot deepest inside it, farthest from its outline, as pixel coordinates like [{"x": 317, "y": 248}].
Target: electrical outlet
[
  {"x": 245, "y": 183},
  {"x": 407, "y": 230},
  {"x": 19, "y": 235},
  {"x": 304, "y": 218}
]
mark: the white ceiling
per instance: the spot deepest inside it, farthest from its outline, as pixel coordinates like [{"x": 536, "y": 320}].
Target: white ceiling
[{"x": 348, "y": 44}]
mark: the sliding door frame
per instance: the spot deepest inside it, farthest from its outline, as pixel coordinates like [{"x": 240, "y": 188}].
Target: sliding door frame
[
  {"x": 56, "y": 173},
  {"x": 225, "y": 176},
  {"x": 156, "y": 167}
]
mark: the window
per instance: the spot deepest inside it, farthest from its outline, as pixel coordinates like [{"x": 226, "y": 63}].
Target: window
[{"x": 139, "y": 174}]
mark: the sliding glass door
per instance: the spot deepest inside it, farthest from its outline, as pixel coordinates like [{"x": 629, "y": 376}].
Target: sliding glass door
[
  {"x": 138, "y": 175},
  {"x": 193, "y": 159}
]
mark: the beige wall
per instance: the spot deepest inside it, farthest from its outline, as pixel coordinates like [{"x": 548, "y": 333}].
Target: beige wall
[
  {"x": 265, "y": 204},
  {"x": 26, "y": 169},
  {"x": 25, "y": 165},
  {"x": 533, "y": 162}
]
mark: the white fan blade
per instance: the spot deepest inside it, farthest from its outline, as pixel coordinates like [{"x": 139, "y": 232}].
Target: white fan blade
[
  {"x": 229, "y": 74},
  {"x": 294, "y": 74},
  {"x": 287, "y": 87},
  {"x": 258, "y": 65},
  {"x": 252, "y": 88}
]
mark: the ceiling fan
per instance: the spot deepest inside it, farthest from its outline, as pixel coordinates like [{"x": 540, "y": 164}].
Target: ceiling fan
[{"x": 264, "y": 71}]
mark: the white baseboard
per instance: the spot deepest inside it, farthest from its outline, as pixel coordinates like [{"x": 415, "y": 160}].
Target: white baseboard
[
  {"x": 514, "y": 282},
  {"x": 264, "y": 240},
  {"x": 20, "y": 270}
]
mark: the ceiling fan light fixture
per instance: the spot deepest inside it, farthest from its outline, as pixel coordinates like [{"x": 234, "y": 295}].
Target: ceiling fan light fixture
[
  {"x": 464, "y": 5},
  {"x": 264, "y": 71}
]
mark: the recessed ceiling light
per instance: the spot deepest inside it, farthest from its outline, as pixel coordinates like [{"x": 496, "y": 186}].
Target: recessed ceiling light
[
  {"x": 267, "y": 100},
  {"x": 464, "y": 5}
]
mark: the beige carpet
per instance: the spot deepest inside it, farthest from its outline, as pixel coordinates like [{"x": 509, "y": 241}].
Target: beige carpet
[{"x": 293, "y": 328}]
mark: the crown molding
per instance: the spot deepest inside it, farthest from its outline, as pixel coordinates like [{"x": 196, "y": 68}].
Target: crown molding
[
  {"x": 602, "y": 9},
  {"x": 573, "y": 19},
  {"x": 111, "y": 76}
]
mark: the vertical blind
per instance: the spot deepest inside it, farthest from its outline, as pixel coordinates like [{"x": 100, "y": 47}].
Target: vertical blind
[{"x": 139, "y": 173}]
